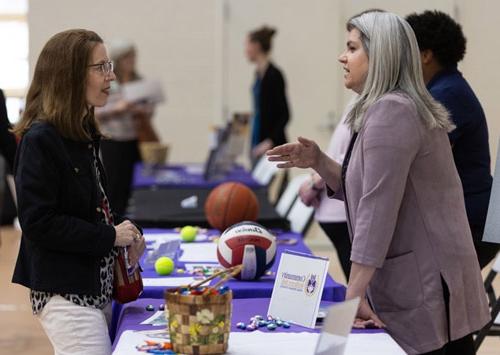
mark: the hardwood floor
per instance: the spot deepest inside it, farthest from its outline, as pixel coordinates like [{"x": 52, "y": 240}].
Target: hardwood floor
[{"x": 22, "y": 333}]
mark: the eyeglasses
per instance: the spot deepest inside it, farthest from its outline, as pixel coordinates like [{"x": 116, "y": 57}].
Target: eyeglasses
[{"x": 105, "y": 68}]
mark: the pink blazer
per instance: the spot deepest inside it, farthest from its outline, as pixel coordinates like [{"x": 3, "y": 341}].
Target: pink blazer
[{"x": 407, "y": 218}]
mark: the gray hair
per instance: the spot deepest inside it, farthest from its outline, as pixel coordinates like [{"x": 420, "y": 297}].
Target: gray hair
[{"x": 394, "y": 65}]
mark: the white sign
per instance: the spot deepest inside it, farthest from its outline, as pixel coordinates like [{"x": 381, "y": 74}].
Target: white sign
[
  {"x": 298, "y": 288},
  {"x": 336, "y": 328}
]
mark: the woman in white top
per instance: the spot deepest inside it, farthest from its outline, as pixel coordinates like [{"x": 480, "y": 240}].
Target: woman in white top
[
  {"x": 121, "y": 123},
  {"x": 330, "y": 213}
]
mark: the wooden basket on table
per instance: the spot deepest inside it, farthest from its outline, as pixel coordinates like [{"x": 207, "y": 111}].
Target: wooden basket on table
[
  {"x": 200, "y": 324},
  {"x": 154, "y": 153}
]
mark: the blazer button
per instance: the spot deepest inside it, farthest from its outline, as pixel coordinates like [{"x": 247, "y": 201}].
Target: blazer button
[
  {"x": 90, "y": 146},
  {"x": 98, "y": 209},
  {"x": 77, "y": 170}
]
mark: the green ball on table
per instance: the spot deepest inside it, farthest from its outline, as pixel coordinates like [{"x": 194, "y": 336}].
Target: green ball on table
[
  {"x": 164, "y": 266},
  {"x": 189, "y": 233}
]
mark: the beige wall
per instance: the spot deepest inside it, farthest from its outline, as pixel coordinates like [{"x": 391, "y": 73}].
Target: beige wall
[
  {"x": 178, "y": 43},
  {"x": 195, "y": 47}
]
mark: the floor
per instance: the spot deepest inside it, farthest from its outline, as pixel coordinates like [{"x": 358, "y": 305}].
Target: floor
[{"x": 21, "y": 332}]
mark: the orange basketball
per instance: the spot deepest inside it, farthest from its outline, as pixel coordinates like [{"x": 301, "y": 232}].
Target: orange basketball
[{"x": 231, "y": 203}]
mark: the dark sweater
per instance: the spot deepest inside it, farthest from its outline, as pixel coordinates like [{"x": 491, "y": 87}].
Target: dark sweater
[
  {"x": 63, "y": 239},
  {"x": 469, "y": 140},
  {"x": 274, "y": 112},
  {"x": 8, "y": 143}
]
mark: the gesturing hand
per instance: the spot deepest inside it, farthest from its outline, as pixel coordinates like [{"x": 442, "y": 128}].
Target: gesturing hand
[{"x": 303, "y": 154}]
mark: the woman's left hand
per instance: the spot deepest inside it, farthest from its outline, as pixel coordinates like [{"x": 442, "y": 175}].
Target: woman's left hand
[
  {"x": 303, "y": 154},
  {"x": 136, "y": 249},
  {"x": 366, "y": 318}
]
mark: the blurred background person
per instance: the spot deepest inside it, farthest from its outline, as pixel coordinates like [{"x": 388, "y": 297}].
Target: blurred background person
[
  {"x": 442, "y": 46},
  {"x": 270, "y": 106},
  {"x": 124, "y": 124},
  {"x": 330, "y": 213},
  {"x": 8, "y": 143},
  {"x": 8, "y": 146}
]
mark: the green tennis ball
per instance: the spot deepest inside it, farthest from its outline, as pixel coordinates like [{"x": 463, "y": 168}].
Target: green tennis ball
[
  {"x": 164, "y": 266},
  {"x": 188, "y": 233}
]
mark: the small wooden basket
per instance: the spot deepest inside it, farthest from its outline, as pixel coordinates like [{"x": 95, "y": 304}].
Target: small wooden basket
[
  {"x": 200, "y": 324},
  {"x": 154, "y": 153}
]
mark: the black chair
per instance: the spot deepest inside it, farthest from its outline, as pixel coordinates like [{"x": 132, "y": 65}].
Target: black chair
[{"x": 490, "y": 329}]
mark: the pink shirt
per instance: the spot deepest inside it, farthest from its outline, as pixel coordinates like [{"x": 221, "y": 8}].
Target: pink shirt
[{"x": 331, "y": 210}]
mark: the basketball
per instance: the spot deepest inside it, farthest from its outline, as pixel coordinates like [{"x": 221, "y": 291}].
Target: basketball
[
  {"x": 231, "y": 203},
  {"x": 250, "y": 244}
]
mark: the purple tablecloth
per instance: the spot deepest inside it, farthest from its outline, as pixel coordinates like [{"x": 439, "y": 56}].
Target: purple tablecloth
[
  {"x": 185, "y": 176},
  {"x": 134, "y": 313},
  {"x": 261, "y": 288}
]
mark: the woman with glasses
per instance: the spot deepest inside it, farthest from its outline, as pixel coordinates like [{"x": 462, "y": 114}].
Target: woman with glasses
[
  {"x": 69, "y": 229},
  {"x": 123, "y": 124},
  {"x": 413, "y": 260}
]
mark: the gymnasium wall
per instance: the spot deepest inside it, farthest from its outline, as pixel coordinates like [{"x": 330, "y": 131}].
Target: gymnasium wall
[{"x": 195, "y": 47}]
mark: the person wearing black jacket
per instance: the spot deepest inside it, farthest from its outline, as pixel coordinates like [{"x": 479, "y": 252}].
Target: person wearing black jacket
[
  {"x": 271, "y": 112},
  {"x": 8, "y": 143},
  {"x": 8, "y": 146},
  {"x": 70, "y": 234}
]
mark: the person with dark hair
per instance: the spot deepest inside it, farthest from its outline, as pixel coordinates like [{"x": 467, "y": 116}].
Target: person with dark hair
[
  {"x": 442, "y": 45},
  {"x": 271, "y": 112},
  {"x": 70, "y": 233}
]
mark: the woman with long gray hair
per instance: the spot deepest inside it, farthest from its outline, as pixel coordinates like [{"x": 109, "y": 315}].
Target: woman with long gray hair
[{"x": 413, "y": 260}]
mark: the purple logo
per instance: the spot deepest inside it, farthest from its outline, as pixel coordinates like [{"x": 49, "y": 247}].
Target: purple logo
[{"x": 311, "y": 285}]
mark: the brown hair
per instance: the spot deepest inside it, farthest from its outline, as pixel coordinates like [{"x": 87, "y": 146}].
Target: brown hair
[
  {"x": 57, "y": 93},
  {"x": 263, "y": 37}
]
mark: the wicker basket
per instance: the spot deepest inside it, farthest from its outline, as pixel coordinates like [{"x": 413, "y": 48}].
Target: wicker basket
[
  {"x": 199, "y": 324},
  {"x": 154, "y": 153}
]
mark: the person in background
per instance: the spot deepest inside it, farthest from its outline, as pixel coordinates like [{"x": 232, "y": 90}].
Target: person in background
[
  {"x": 8, "y": 144},
  {"x": 330, "y": 213},
  {"x": 414, "y": 266},
  {"x": 69, "y": 230},
  {"x": 271, "y": 112},
  {"x": 122, "y": 122},
  {"x": 442, "y": 46}
]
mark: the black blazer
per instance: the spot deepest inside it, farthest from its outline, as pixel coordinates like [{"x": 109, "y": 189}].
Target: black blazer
[
  {"x": 274, "y": 112},
  {"x": 8, "y": 143},
  {"x": 63, "y": 239}
]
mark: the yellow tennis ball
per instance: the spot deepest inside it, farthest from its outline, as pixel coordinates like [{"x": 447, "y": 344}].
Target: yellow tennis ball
[
  {"x": 188, "y": 233},
  {"x": 164, "y": 266}
]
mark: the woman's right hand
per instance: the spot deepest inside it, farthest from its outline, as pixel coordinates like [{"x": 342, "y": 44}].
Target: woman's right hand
[
  {"x": 304, "y": 154},
  {"x": 126, "y": 232}
]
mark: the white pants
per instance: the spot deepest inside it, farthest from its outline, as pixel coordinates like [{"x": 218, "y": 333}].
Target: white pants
[{"x": 74, "y": 329}]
